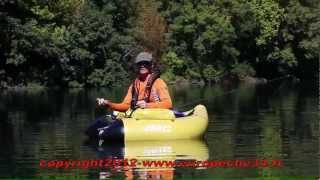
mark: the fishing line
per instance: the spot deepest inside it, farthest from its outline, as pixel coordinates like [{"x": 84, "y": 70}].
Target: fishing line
[
  {"x": 230, "y": 92},
  {"x": 281, "y": 86}
]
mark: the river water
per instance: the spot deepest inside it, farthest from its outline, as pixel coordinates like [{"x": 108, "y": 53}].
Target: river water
[{"x": 277, "y": 123}]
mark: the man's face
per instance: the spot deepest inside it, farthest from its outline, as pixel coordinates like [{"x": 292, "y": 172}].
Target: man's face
[{"x": 144, "y": 67}]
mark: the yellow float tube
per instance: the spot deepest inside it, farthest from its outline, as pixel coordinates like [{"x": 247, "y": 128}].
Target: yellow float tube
[{"x": 161, "y": 124}]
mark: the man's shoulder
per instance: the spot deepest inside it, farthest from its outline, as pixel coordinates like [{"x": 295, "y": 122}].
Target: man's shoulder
[{"x": 160, "y": 82}]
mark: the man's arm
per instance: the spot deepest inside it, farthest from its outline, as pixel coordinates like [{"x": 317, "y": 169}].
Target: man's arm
[{"x": 125, "y": 104}]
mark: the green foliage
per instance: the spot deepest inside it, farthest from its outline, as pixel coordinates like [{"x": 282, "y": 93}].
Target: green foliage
[
  {"x": 55, "y": 50},
  {"x": 200, "y": 31},
  {"x": 298, "y": 45},
  {"x": 211, "y": 73},
  {"x": 35, "y": 86},
  {"x": 106, "y": 77},
  {"x": 174, "y": 63},
  {"x": 80, "y": 43},
  {"x": 242, "y": 70},
  {"x": 201, "y": 34},
  {"x": 169, "y": 76},
  {"x": 193, "y": 73},
  {"x": 285, "y": 56},
  {"x": 268, "y": 14}
]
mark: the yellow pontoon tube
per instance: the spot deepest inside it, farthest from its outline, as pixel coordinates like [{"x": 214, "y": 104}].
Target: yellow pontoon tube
[
  {"x": 154, "y": 124},
  {"x": 161, "y": 124}
]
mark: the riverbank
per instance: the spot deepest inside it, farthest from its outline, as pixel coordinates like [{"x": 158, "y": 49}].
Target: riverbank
[
  {"x": 224, "y": 80},
  {"x": 181, "y": 81}
]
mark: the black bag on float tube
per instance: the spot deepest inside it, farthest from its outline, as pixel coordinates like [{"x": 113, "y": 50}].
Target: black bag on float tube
[
  {"x": 135, "y": 95},
  {"x": 92, "y": 130},
  {"x": 113, "y": 129}
]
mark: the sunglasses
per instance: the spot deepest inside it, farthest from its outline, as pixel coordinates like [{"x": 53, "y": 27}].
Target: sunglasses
[{"x": 144, "y": 63}]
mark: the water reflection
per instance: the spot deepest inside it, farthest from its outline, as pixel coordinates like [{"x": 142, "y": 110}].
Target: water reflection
[{"x": 140, "y": 154}]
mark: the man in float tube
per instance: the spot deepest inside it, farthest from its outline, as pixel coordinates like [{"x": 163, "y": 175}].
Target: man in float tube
[{"x": 147, "y": 91}]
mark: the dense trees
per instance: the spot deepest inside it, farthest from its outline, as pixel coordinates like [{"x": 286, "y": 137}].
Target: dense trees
[
  {"x": 243, "y": 37},
  {"x": 65, "y": 43},
  {"x": 79, "y": 43}
]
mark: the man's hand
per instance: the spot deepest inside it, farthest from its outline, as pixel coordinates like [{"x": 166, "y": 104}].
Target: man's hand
[
  {"x": 102, "y": 102},
  {"x": 142, "y": 104}
]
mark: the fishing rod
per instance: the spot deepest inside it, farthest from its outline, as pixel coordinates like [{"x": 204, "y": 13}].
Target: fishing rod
[{"x": 230, "y": 92}]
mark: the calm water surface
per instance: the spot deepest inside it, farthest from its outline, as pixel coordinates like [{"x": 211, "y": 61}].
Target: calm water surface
[{"x": 274, "y": 121}]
